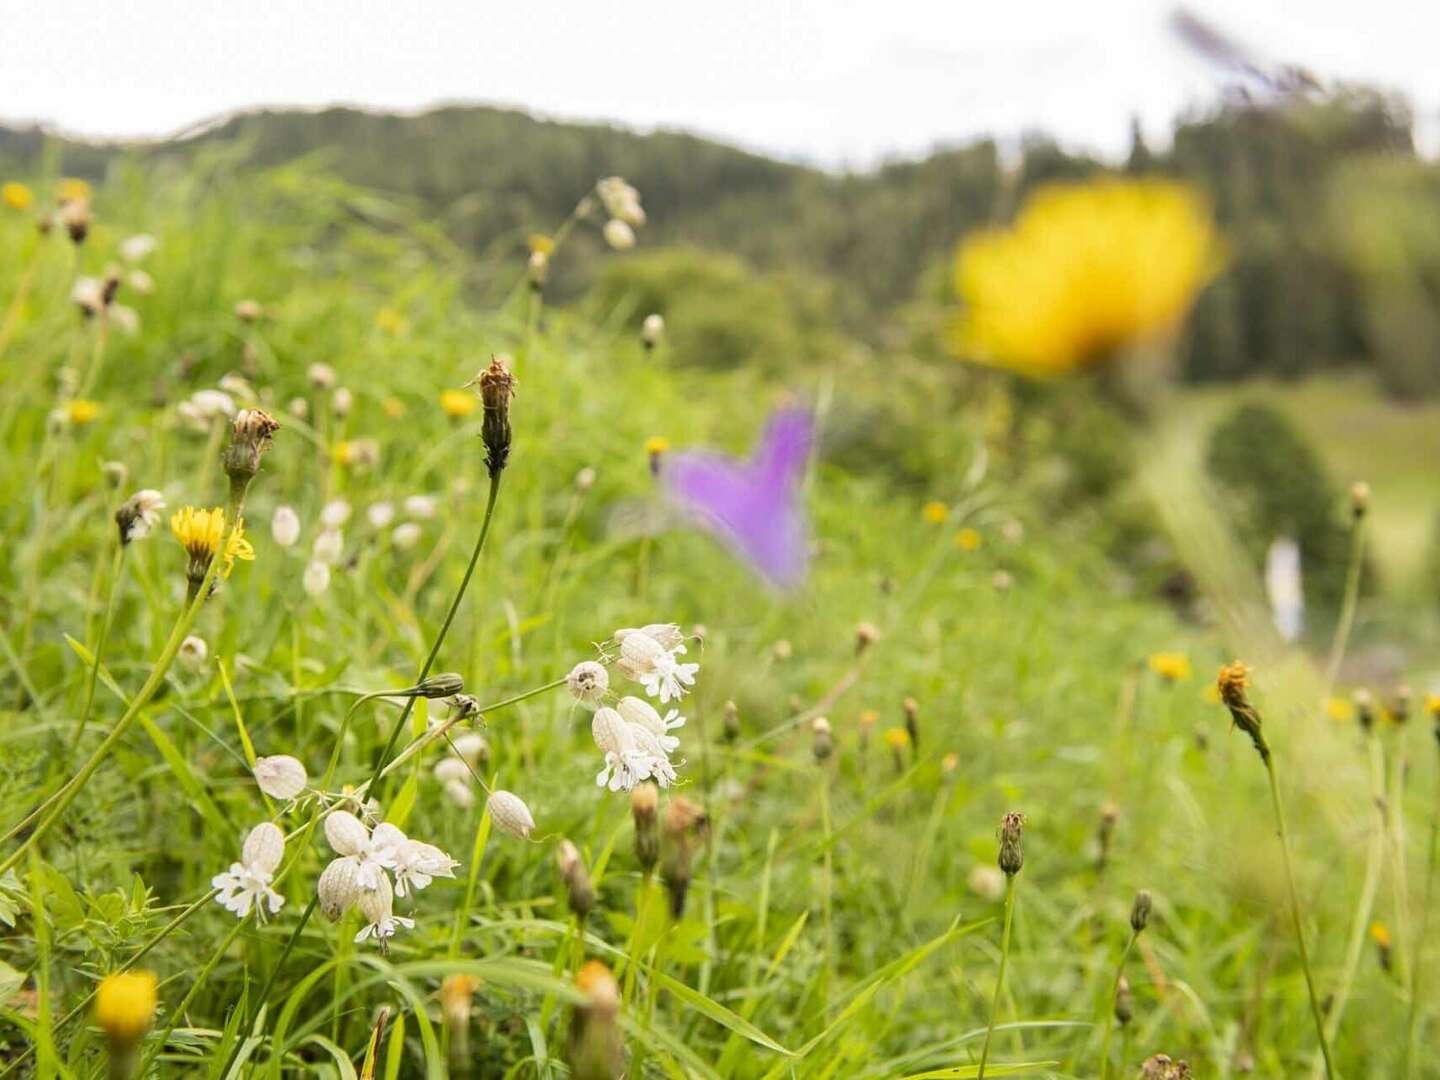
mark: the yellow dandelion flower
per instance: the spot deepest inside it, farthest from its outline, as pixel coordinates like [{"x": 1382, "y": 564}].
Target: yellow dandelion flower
[
  {"x": 540, "y": 244},
  {"x": 125, "y": 1005},
  {"x": 17, "y": 196},
  {"x": 1380, "y": 934},
  {"x": 201, "y": 532},
  {"x": 897, "y": 738},
  {"x": 390, "y": 320},
  {"x": 344, "y": 452},
  {"x": 1432, "y": 705},
  {"x": 72, "y": 189},
  {"x": 237, "y": 547},
  {"x": 968, "y": 539},
  {"x": 935, "y": 512},
  {"x": 457, "y": 403},
  {"x": 656, "y": 444},
  {"x": 1086, "y": 271},
  {"x": 393, "y": 408},
  {"x": 81, "y": 410},
  {"x": 1170, "y": 666},
  {"x": 1339, "y": 709}
]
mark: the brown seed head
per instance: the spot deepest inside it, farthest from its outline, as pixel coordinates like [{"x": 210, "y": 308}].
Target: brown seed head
[
  {"x": 1012, "y": 855},
  {"x": 497, "y": 387}
]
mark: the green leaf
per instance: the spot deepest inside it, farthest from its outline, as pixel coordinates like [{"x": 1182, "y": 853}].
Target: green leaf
[
  {"x": 715, "y": 1011},
  {"x": 962, "y": 1072}
]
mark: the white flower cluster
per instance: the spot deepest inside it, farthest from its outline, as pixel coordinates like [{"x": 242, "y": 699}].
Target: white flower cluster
[
  {"x": 632, "y": 735},
  {"x": 246, "y": 884},
  {"x": 622, "y": 206},
  {"x": 359, "y": 875},
  {"x": 328, "y": 548}
]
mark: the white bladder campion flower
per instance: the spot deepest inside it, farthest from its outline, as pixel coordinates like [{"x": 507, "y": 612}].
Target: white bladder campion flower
[
  {"x": 378, "y": 907},
  {"x": 418, "y": 863},
  {"x": 510, "y": 814},
  {"x": 380, "y": 514},
  {"x": 335, "y": 513},
  {"x": 460, "y": 793},
  {"x": 374, "y": 855},
  {"x": 329, "y": 546},
  {"x": 619, "y": 235},
  {"x": 588, "y": 682},
  {"x": 246, "y": 884},
  {"x": 285, "y": 526},
  {"x": 280, "y": 776},
  {"x": 406, "y": 535},
  {"x": 632, "y": 752},
  {"x": 640, "y": 712},
  {"x": 421, "y": 507},
  {"x": 648, "y": 654}
]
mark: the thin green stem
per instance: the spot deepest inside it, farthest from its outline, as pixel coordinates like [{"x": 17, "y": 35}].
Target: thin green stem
[
  {"x": 827, "y": 888},
  {"x": 17, "y": 304},
  {"x": 1110, "y": 1005},
  {"x": 444, "y": 629},
  {"x": 1316, "y": 1011},
  {"x": 1412, "y": 1023},
  {"x": 158, "y": 1045},
  {"x": 1400, "y": 877},
  {"x": 999, "y": 975},
  {"x": 1347, "y": 607},
  {"x": 96, "y": 660}
]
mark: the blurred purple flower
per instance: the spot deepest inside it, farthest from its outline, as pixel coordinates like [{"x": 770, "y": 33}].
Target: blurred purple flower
[{"x": 753, "y": 506}]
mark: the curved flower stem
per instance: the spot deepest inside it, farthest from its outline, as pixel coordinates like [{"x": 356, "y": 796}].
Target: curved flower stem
[
  {"x": 1110, "y": 1005},
  {"x": 1315, "y": 1009},
  {"x": 158, "y": 1045},
  {"x": 1000, "y": 975},
  {"x": 1347, "y": 607},
  {"x": 444, "y": 630},
  {"x": 116, "y": 567}
]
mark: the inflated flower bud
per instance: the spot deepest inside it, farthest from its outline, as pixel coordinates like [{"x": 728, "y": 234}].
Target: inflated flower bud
[
  {"x": 264, "y": 847},
  {"x": 470, "y": 746},
  {"x": 285, "y": 526},
  {"x": 619, "y": 235},
  {"x": 510, "y": 814},
  {"x": 280, "y": 776},
  {"x": 316, "y": 578},
  {"x": 346, "y": 832},
  {"x": 460, "y": 793},
  {"x": 1140, "y": 911}
]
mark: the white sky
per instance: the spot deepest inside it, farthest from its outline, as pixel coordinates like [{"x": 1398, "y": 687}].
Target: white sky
[{"x": 836, "y": 82}]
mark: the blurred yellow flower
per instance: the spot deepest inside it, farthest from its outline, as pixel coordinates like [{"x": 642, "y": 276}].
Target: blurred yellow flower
[
  {"x": 935, "y": 512},
  {"x": 1086, "y": 270},
  {"x": 656, "y": 444},
  {"x": 1170, "y": 666},
  {"x": 81, "y": 410},
  {"x": 17, "y": 196},
  {"x": 458, "y": 403},
  {"x": 1339, "y": 709},
  {"x": 390, "y": 320},
  {"x": 1432, "y": 705},
  {"x": 1380, "y": 934},
  {"x": 394, "y": 408},
  {"x": 71, "y": 189},
  {"x": 540, "y": 244},
  {"x": 125, "y": 1005},
  {"x": 968, "y": 539},
  {"x": 897, "y": 738}
]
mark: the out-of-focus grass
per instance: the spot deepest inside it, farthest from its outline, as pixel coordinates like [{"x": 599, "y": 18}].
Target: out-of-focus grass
[{"x": 1363, "y": 435}]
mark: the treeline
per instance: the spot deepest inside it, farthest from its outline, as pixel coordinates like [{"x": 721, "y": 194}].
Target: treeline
[{"x": 1333, "y": 221}]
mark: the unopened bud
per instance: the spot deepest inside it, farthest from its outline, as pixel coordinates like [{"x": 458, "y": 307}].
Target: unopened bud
[
  {"x": 644, "y": 802},
  {"x": 730, "y": 722},
  {"x": 250, "y": 435},
  {"x": 1364, "y": 709},
  {"x": 865, "y": 635},
  {"x": 1359, "y": 499},
  {"x": 1012, "y": 856},
  {"x": 685, "y": 828},
  {"x": 1140, "y": 911},
  {"x": 912, "y": 720},
  {"x": 444, "y": 685},
  {"x": 596, "y": 1051},
  {"x": 579, "y": 891},
  {"x": 497, "y": 387},
  {"x": 824, "y": 741},
  {"x": 652, "y": 330},
  {"x": 1124, "y": 1002}
]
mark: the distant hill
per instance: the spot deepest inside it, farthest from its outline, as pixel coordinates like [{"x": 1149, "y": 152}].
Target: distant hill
[{"x": 1283, "y": 179}]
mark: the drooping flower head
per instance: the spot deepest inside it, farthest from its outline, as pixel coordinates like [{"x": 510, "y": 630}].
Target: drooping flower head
[
  {"x": 246, "y": 885},
  {"x": 1086, "y": 271}
]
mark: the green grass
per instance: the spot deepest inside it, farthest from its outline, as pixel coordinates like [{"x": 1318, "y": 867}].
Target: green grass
[{"x": 832, "y": 928}]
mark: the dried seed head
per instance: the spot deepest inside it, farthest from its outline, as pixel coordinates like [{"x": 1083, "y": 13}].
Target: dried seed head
[
  {"x": 1140, "y": 911},
  {"x": 250, "y": 436},
  {"x": 139, "y": 514},
  {"x": 1233, "y": 683},
  {"x": 1400, "y": 704},
  {"x": 1012, "y": 856},
  {"x": 1364, "y": 709},
  {"x": 510, "y": 814},
  {"x": 497, "y": 387},
  {"x": 280, "y": 776},
  {"x": 865, "y": 635}
]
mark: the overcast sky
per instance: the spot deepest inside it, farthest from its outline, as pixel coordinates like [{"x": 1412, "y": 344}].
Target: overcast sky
[{"x": 828, "y": 81}]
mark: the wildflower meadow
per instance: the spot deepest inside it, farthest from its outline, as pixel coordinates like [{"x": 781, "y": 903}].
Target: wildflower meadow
[{"x": 413, "y": 665}]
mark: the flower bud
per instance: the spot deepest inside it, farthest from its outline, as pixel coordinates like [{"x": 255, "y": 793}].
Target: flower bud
[
  {"x": 510, "y": 814},
  {"x": 470, "y": 746},
  {"x": 685, "y": 827},
  {"x": 912, "y": 720},
  {"x": 595, "y": 1050},
  {"x": 1359, "y": 499},
  {"x": 579, "y": 891},
  {"x": 619, "y": 235},
  {"x": 321, "y": 376},
  {"x": 823, "y": 741},
  {"x": 730, "y": 723},
  {"x": 457, "y": 995},
  {"x": 1124, "y": 1002},
  {"x": 115, "y": 473},
  {"x": 1140, "y": 911},
  {"x": 248, "y": 311},
  {"x": 644, "y": 802},
  {"x": 193, "y": 652},
  {"x": 447, "y": 684},
  {"x": 280, "y": 776},
  {"x": 652, "y": 330},
  {"x": 341, "y": 402},
  {"x": 497, "y": 387},
  {"x": 251, "y": 433},
  {"x": 1012, "y": 857},
  {"x": 1233, "y": 682},
  {"x": 865, "y": 635}
]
